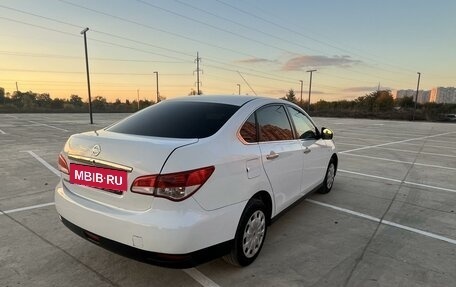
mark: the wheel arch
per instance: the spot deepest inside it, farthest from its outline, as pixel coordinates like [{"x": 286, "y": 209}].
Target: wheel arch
[
  {"x": 266, "y": 198},
  {"x": 336, "y": 161}
]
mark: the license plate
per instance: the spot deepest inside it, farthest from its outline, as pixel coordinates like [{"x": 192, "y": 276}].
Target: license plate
[{"x": 103, "y": 178}]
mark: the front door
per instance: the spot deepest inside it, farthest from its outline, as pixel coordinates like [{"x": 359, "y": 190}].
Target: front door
[{"x": 315, "y": 154}]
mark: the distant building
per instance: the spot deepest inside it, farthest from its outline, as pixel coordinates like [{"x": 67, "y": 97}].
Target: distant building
[
  {"x": 423, "y": 96},
  {"x": 443, "y": 95},
  {"x": 399, "y": 94}
]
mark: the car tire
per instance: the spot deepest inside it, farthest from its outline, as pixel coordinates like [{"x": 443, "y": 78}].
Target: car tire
[
  {"x": 250, "y": 234},
  {"x": 328, "y": 182}
]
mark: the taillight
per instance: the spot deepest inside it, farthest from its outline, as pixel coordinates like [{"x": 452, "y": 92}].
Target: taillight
[
  {"x": 144, "y": 184},
  {"x": 63, "y": 166},
  {"x": 173, "y": 186}
]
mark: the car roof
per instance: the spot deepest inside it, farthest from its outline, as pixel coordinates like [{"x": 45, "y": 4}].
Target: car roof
[{"x": 222, "y": 99}]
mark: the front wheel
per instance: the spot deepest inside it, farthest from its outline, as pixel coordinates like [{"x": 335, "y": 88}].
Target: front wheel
[
  {"x": 329, "y": 177},
  {"x": 250, "y": 234}
]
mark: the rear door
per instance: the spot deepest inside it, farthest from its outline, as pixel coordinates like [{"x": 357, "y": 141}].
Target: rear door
[
  {"x": 315, "y": 153},
  {"x": 281, "y": 154}
]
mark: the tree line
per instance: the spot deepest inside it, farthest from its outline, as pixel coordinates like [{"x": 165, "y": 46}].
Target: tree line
[
  {"x": 376, "y": 104},
  {"x": 30, "y": 102}
]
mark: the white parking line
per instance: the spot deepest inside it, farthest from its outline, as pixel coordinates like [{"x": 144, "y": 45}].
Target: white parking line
[
  {"x": 399, "y": 161},
  {"x": 436, "y": 141},
  {"x": 344, "y": 210},
  {"x": 387, "y": 133},
  {"x": 41, "y": 124},
  {"x": 419, "y": 231},
  {"x": 433, "y": 146},
  {"x": 397, "y": 180},
  {"x": 415, "y": 152},
  {"x": 385, "y": 222},
  {"x": 192, "y": 272},
  {"x": 394, "y": 149},
  {"x": 411, "y": 144},
  {"x": 200, "y": 277},
  {"x": 2, "y": 132},
  {"x": 26, "y": 208},
  {"x": 369, "y": 175},
  {"x": 375, "y": 135},
  {"x": 357, "y": 139},
  {"x": 402, "y": 141},
  {"x": 429, "y": 186},
  {"x": 43, "y": 162},
  {"x": 350, "y": 144}
]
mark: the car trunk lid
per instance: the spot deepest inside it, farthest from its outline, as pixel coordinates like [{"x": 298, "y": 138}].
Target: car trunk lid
[{"x": 132, "y": 154}]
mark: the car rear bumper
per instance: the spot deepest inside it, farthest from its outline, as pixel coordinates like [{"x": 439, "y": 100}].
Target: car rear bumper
[
  {"x": 161, "y": 259},
  {"x": 172, "y": 228}
]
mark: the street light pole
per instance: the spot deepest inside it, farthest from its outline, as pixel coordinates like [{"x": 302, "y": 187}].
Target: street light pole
[
  {"x": 137, "y": 92},
  {"x": 301, "y": 92},
  {"x": 416, "y": 95},
  {"x": 239, "y": 89},
  {"x": 83, "y": 32},
  {"x": 310, "y": 88},
  {"x": 158, "y": 97}
]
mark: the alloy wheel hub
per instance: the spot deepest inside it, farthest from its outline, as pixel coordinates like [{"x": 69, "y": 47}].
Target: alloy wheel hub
[{"x": 253, "y": 234}]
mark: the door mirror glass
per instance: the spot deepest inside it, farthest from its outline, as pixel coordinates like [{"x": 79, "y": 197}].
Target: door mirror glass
[{"x": 326, "y": 134}]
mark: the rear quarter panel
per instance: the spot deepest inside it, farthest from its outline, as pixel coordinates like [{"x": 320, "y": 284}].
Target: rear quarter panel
[{"x": 238, "y": 171}]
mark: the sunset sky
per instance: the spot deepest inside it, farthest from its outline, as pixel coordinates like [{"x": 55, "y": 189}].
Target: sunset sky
[{"x": 353, "y": 44}]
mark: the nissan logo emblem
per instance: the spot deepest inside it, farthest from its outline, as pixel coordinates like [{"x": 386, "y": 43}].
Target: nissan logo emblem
[{"x": 96, "y": 150}]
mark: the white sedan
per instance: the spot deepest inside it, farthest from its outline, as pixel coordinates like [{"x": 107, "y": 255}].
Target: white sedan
[{"x": 193, "y": 178}]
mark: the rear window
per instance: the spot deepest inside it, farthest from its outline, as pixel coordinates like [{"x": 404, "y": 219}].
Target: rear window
[{"x": 174, "y": 119}]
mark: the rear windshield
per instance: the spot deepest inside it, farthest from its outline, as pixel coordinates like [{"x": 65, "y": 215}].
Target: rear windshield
[{"x": 177, "y": 120}]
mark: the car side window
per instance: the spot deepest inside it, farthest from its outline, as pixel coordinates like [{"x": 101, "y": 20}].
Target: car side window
[
  {"x": 273, "y": 124},
  {"x": 304, "y": 127},
  {"x": 248, "y": 131}
]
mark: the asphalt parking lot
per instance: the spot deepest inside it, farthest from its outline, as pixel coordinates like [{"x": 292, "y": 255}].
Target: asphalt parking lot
[{"x": 390, "y": 219}]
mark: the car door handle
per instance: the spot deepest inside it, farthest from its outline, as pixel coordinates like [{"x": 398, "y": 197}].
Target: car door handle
[
  {"x": 272, "y": 155},
  {"x": 307, "y": 150}
]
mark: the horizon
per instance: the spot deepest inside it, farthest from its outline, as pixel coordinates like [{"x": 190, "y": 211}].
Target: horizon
[{"x": 353, "y": 52}]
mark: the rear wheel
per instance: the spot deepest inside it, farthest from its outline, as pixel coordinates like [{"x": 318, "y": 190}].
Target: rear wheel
[
  {"x": 329, "y": 178},
  {"x": 250, "y": 234}
]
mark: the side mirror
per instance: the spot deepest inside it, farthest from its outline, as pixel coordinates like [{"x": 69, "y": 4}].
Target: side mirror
[{"x": 326, "y": 134}]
